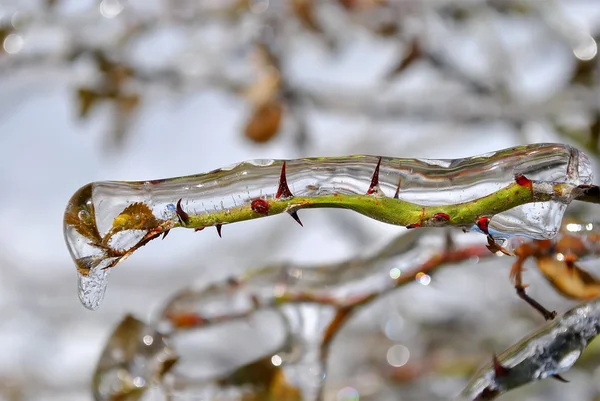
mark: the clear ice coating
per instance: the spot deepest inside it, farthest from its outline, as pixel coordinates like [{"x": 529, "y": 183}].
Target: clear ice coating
[
  {"x": 135, "y": 357},
  {"x": 106, "y": 221},
  {"x": 340, "y": 283},
  {"x": 550, "y": 351}
]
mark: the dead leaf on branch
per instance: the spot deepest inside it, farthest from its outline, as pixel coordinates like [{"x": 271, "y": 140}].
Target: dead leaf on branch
[
  {"x": 137, "y": 216},
  {"x": 265, "y": 122}
]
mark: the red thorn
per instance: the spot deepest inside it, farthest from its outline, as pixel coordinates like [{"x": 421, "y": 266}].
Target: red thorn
[
  {"x": 397, "y": 193},
  {"x": 283, "y": 190},
  {"x": 559, "y": 378},
  {"x": 483, "y": 224},
  {"x": 260, "y": 206},
  {"x": 415, "y": 225},
  {"x": 165, "y": 234},
  {"x": 522, "y": 180},
  {"x": 294, "y": 215},
  {"x": 183, "y": 216},
  {"x": 374, "y": 179},
  {"x": 441, "y": 217},
  {"x": 198, "y": 229},
  {"x": 499, "y": 370},
  {"x": 219, "y": 229}
]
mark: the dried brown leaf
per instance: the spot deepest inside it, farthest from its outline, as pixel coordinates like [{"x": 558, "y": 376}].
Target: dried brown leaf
[{"x": 264, "y": 123}]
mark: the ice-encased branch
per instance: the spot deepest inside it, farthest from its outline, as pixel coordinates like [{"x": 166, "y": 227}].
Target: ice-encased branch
[
  {"x": 548, "y": 352},
  {"x": 345, "y": 285},
  {"x": 517, "y": 191}
]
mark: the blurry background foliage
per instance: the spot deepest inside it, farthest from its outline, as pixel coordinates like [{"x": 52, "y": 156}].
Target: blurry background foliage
[{"x": 141, "y": 89}]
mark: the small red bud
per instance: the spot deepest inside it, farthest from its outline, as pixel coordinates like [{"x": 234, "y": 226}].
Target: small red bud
[
  {"x": 260, "y": 206},
  {"x": 483, "y": 224}
]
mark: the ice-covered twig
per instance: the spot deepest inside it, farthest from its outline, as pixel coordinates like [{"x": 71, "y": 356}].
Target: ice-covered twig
[
  {"x": 548, "y": 352},
  {"x": 523, "y": 190},
  {"x": 345, "y": 286}
]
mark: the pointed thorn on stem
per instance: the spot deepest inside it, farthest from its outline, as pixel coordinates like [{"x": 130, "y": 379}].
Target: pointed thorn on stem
[
  {"x": 559, "y": 378},
  {"x": 414, "y": 225},
  {"x": 499, "y": 370},
  {"x": 283, "y": 190},
  {"x": 219, "y": 226},
  {"x": 397, "y": 193},
  {"x": 165, "y": 234},
  {"x": 198, "y": 229},
  {"x": 294, "y": 215},
  {"x": 374, "y": 179},
  {"x": 184, "y": 218}
]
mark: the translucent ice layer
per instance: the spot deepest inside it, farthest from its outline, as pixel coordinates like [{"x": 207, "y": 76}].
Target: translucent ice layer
[
  {"x": 135, "y": 357},
  {"x": 550, "y": 351},
  {"x": 517, "y": 191}
]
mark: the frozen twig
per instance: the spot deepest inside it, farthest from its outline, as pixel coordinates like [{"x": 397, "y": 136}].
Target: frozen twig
[
  {"x": 501, "y": 194},
  {"x": 548, "y": 352}
]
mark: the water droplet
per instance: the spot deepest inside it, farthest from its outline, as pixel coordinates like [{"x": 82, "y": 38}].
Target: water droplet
[
  {"x": 110, "y": 8},
  {"x": 148, "y": 339},
  {"x": 13, "y": 43},
  {"x": 398, "y": 355}
]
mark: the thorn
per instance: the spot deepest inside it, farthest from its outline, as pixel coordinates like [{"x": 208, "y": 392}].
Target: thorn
[
  {"x": 397, "y": 193},
  {"x": 483, "y": 224},
  {"x": 184, "y": 218},
  {"x": 522, "y": 180},
  {"x": 283, "y": 190},
  {"x": 559, "y": 378},
  {"x": 260, "y": 206},
  {"x": 374, "y": 179},
  {"x": 294, "y": 215},
  {"x": 415, "y": 225},
  {"x": 198, "y": 229},
  {"x": 165, "y": 234},
  {"x": 219, "y": 229},
  {"x": 441, "y": 217},
  {"x": 499, "y": 370}
]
